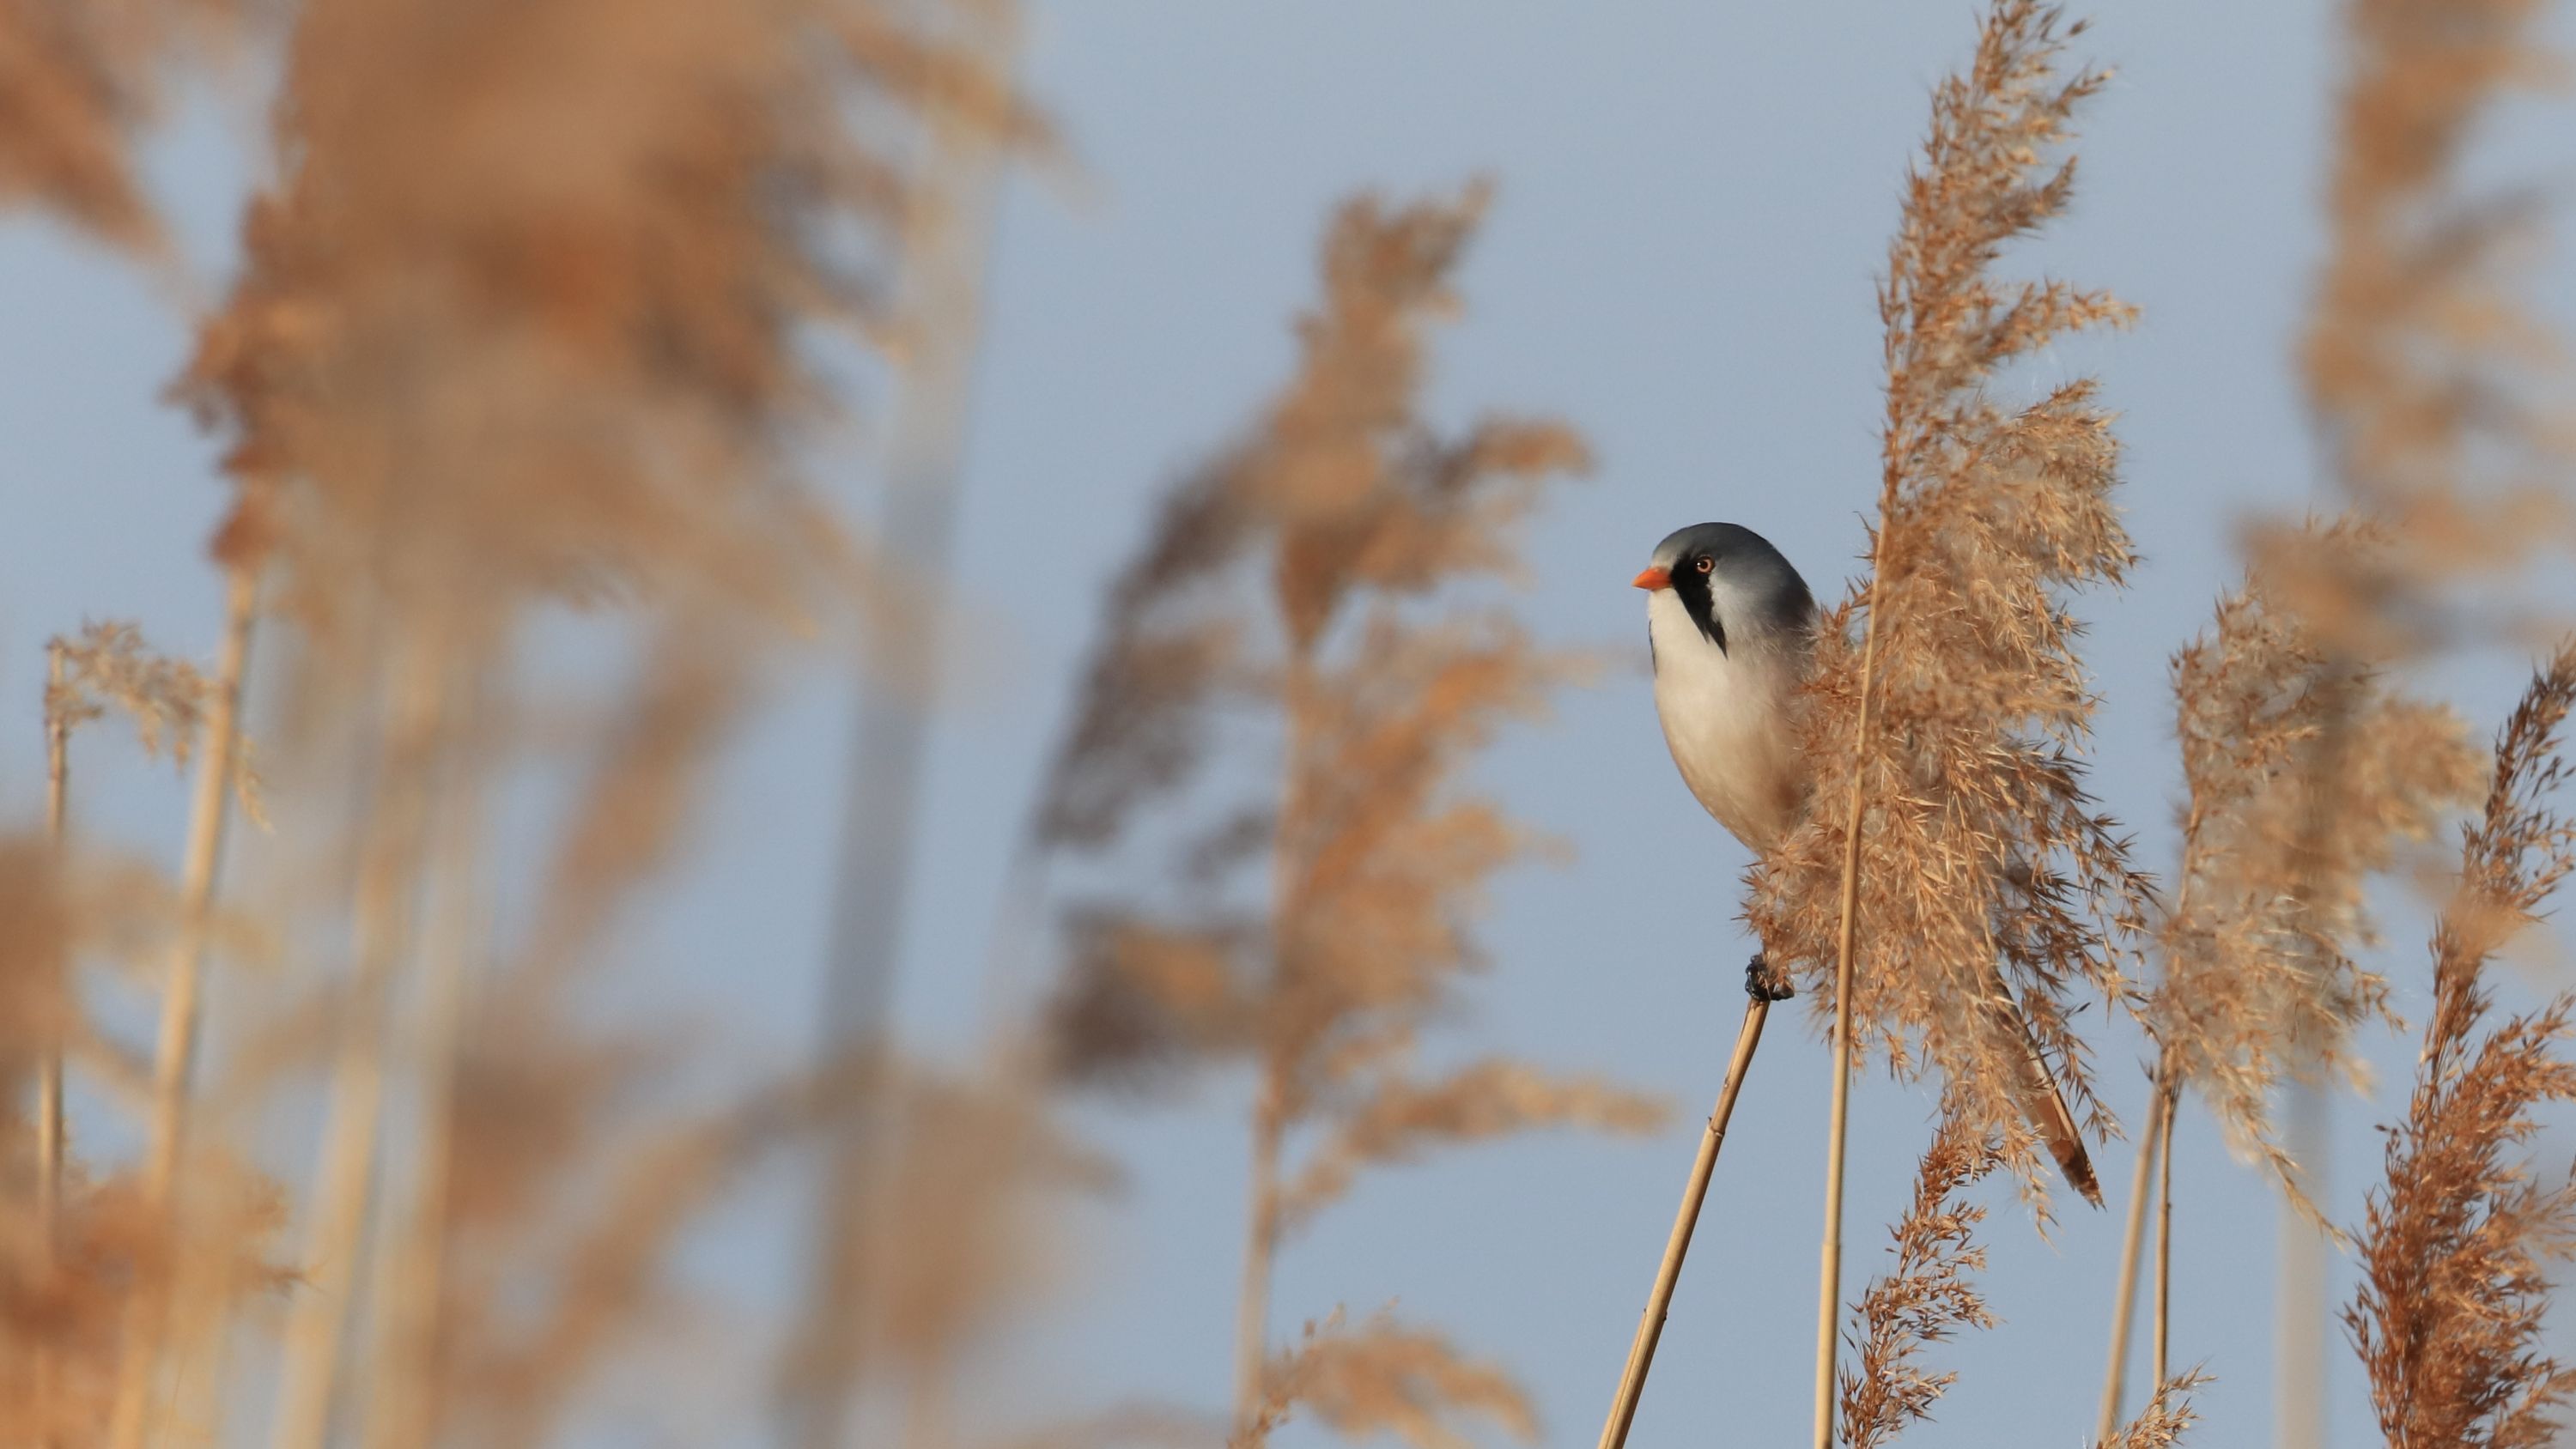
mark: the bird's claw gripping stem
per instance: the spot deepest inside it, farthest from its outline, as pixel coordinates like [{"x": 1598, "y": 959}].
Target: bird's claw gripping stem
[{"x": 1764, "y": 984}]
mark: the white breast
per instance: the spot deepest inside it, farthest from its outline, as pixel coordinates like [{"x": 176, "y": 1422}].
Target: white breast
[{"x": 1726, "y": 718}]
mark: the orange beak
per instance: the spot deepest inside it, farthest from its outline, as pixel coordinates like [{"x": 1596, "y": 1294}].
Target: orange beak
[{"x": 1653, "y": 578}]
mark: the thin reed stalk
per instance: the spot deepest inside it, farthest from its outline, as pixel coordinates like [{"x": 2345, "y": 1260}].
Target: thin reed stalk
[
  {"x": 49, "y": 1068},
  {"x": 1650, "y": 1325},
  {"x": 1829, "y": 1277},
  {"x": 1260, "y": 1252},
  {"x": 343, "y": 1177},
  {"x": 1270, "y": 1108},
  {"x": 174, "y": 1059},
  {"x": 2167, "y": 1099},
  {"x": 2124, "y": 1300},
  {"x": 401, "y": 1408},
  {"x": 1947, "y": 711},
  {"x": 49, "y": 1071},
  {"x": 1829, "y": 1285}
]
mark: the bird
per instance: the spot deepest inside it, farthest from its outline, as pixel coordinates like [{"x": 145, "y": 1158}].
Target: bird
[{"x": 1731, "y": 627}]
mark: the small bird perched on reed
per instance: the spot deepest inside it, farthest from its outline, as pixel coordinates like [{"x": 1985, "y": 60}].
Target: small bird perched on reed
[{"x": 1732, "y": 629}]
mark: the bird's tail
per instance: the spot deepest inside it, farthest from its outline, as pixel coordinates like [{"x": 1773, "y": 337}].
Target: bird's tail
[{"x": 2044, "y": 1107}]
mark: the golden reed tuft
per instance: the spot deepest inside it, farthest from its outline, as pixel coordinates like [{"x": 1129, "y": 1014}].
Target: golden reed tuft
[
  {"x": 1926, "y": 1296},
  {"x": 2450, "y": 1317},
  {"x": 1989, "y": 883},
  {"x": 1314, "y": 577}
]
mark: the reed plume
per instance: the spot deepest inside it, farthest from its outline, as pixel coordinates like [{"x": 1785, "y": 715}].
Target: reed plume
[
  {"x": 2419, "y": 355},
  {"x": 1949, "y": 707},
  {"x": 485, "y": 361},
  {"x": 1953, "y": 881},
  {"x": 1307, "y": 580},
  {"x": 1383, "y": 1378},
  {"x": 78, "y": 84},
  {"x": 2163, "y": 1422},
  {"x": 2456, "y": 1240},
  {"x": 1925, "y": 1297},
  {"x": 2419, "y": 365},
  {"x": 2306, "y": 776}
]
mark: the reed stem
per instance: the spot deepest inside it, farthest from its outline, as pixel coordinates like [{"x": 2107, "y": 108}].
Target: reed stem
[
  {"x": 49, "y": 1069},
  {"x": 1829, "y": 1286},
  {"x": 1260, "y": 1248},
  {"x": 2167, "y": 1099},
  {"x": 49, "y": 1072},
  {"x": 2124, "y": 1303},
  {"x": 175, "y": 1052},
  {"x": 1650, "y": 1326},
  {"x": 344, "y": 1175}
]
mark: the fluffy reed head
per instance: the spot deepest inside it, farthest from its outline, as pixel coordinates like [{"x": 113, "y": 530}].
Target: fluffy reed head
[
  {"x": 553, "y": 339},
  {"x": 2306, "y": 775},
  {"x": 2163, "y": 1423},
  {"x": 78, "y": 83},
  {"x": 1278, "y": 584},
  {"x": 1384, "y": 1378},
  {"x": 1979, "y": 849},
  {"x": 1304, "y": 595},
  {"x": 2433, "y": 377},
  {"x": 2456, "y": 1243},
  {"x": 1926, "y": 1296}
]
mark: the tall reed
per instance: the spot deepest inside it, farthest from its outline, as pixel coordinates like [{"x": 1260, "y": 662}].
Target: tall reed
[
  {"x": 175, "y": 1053},
  {"x": 1311, "y": 578},
  {"x": 2450, "y": 1317},
  {"x": 1955, "y": 880},
  {"x": 2306, "y": 777}
]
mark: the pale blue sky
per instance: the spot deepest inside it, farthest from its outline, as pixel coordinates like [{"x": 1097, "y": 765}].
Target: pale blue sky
[{"x": 1694, "y": 200}]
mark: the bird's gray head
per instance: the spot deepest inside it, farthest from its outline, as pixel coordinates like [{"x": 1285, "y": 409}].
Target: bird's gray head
[{"x": 1731, "y": 581}]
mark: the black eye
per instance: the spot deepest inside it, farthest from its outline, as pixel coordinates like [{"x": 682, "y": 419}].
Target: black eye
[{"x": 1705, "y": 563}]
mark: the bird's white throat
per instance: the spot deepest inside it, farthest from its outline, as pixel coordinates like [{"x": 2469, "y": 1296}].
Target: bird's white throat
[{"x": 1726, "y": 716}]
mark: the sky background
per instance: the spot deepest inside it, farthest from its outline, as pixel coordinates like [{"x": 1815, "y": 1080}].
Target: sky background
[{"x": 1693, "y": 204}]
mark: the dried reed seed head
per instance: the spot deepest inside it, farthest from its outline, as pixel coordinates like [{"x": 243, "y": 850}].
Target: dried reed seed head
[
  {"x": 1340, "y": 487},
  {"x": 2451, "y": 1316},
  {"x": 1357, "y": 508},
  {"x": 2307, "y": 775},
  {"x": 63, "y": 1304},
  {"x": 547, "y": 345},
  {"x": 1385, "y": 1378},
  {"x": 109, "y": 665},
  {"x": 1403, "y": 1118},
  {"x": 81, "y": 82},
  {"x": 1926, "y": 1297},
  {"x": 1988, "y": 881},
  {"x": 1303, "y": 580},
  {"x": 2433, "y": 379},
  {"x": 2165, "y": 1419}
]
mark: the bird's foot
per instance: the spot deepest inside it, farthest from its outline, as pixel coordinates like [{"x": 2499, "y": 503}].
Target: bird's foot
[{"x": 1764, "y": 984}]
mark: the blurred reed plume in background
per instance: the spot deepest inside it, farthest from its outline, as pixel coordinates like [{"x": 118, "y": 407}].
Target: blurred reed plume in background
[
  {"x": 1310, "y": 590},
  {"x": 2312, "y": 771},
  {"x": 78, "y": 84},
  {"x": 527, "y": 323},
  {"x": 551, "y": 321}
]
